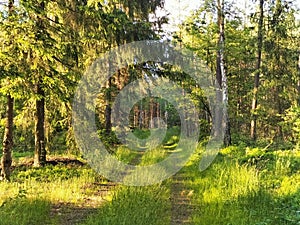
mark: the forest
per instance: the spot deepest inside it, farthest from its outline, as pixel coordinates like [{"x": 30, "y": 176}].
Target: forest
[{"x": 110, "y": 117}]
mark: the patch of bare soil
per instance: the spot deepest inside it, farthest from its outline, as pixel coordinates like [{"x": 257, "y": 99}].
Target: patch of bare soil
[
  {"x": 181, "y": 202},
  {"x": 64, "y": 161},
  {"x": 71, "y": 214},
  {"x": 52, "y": 160}
]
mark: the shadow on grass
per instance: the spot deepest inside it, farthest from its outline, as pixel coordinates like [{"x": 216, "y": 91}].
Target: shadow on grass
[{"x": 23, "y": 211}]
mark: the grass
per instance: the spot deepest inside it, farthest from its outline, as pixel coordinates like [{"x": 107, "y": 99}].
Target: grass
[
  {"x": 244, "y": 186},
  {"x": 231, "y": 192},
  {"x": 24, "y": 211},
  {"x": 32, "y": 193},
  {"x": 135, "y": 206}
]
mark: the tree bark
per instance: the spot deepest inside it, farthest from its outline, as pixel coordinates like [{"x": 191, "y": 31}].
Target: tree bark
[
  {"x": 298, "y": 83},
  {"x": 7, "y": 144},
  {"x": 151, "y": 125},
  {"x": 221, "y": 74},
  {"x": 298, "y": 88},
  {"x": 108, "y": 123},
  {"x": 40, "y": 150},
  {"x": 253, "y": 133},
  {"x": 6, "y": 160}
]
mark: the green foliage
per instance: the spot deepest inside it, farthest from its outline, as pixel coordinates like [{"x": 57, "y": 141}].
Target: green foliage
[
  {"x": 291, "y": 124},
  {"x": 278, "y": 75},
  {"x": 249, "y": 183}
]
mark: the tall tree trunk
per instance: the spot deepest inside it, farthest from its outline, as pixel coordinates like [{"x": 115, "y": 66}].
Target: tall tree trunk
[
  {"x": 253, "y": 134},
  {"x": 6, "y": 160},
  {"x": 108, "y": 123},
  {"x": 298, "y": 83},
  {"x": 279, "y": 90},
  {"x": 158, "y": 114},
  {"x": 298, "y": 88},
  {"x": 221, "y": 72},
  {"x": 7, "y": 144},
  {"x": 151, "y": 106},
  {"x": 40, "y": 150}
]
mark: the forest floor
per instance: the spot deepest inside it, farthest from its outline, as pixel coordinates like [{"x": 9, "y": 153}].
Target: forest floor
[
  {"x": 243, "y": 186},
  {"x": 70, "y": 214},
  {"x": 181, "y": 202}
]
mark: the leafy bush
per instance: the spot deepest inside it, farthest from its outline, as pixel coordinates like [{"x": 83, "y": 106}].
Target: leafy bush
[{"x": 291, "y": 124}]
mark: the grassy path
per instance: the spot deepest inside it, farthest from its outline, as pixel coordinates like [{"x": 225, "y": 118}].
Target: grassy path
[
  {"x": 233, "y": 190},
  {"x": 70, "y": 214},
  {"x": 181, "y": 201}
]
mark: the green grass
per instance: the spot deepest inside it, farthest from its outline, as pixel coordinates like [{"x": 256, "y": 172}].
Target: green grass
[
  {"x": 27, "y": 199},
  {"x": 243, "y": 186},
  {"x": 24, "y": 211},
  {"x": 125, "y": 155},
  {"x": 231, "y": 192},
  {"x": 135, "y": 206}
]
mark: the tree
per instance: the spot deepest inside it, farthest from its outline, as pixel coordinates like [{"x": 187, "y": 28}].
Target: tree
[
  {"x": 125, "y": 22},
  {"x": 48, "y": 54},
  {"x": 221, "y": 76},
  {"x": 204, "y": 33},
  {"x": 6, "y": 159},
  {"x": 298, "y": 82},
  {"x": 253, "y": 128}
]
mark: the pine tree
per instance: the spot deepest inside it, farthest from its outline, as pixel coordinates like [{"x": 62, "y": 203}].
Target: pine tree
[{"x": 6, "y": 159}]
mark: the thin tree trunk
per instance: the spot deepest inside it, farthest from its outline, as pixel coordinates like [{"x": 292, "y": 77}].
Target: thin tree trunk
[
  {"x": 40, "y": 150},
  {"x": 253, "y": 134},
  {"x": 298, "y": 83},
  {"x": 279, "y": 90},
  {"x": 7, "y": 144},
  {"x": 108, "y": 123},
  {"x": 221, "y": 72},
  {"x": 151, "y": 125},
  {"x": 298, "y": 88},
  {"x": 6, "y": 160},
  {"x": 158, "y": 114}
]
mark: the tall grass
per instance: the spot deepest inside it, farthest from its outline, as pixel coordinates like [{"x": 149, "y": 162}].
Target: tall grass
[
  {"x": 231, "y": 192},
  {"x": 243, "y": 186},
  {"x": 135, "y": 206},
  {"x": 24, "y": 211},
  {"x": 28, "y": 198}
]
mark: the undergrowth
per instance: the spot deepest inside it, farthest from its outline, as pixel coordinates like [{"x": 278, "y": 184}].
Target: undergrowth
[{"x": 244, "y": 186}]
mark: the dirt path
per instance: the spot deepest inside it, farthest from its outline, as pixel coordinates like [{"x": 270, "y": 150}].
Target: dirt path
[
  {"x": 181, "y": 202},
  {"x": 71, "y": 214}
]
